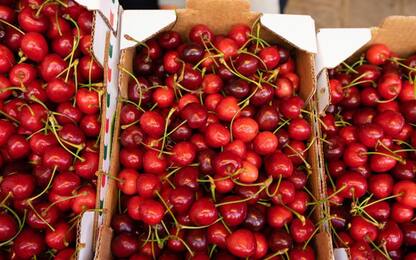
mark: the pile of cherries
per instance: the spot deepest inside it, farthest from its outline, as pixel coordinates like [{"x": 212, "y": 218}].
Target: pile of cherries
[
  {"x": 50, "y": 87},
  {"x": 369, "y": 147},
  {"x": 214, "y": 141}
]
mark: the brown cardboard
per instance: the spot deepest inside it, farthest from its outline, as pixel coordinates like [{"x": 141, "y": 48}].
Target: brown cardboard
[{"x": 220, "y": 15}]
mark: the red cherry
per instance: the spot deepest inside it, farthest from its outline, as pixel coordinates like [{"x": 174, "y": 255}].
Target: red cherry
[
  {"x": 278, "y": 216},
  {"x": 51, "y": 66},
  {"x": 377, "y": 54},
  {"x": 362, "y": 230},
  {"x": 240, "y": 34},
  {"x": 85, "y": 200},
  {"x": 391, "y": 236},
  {"x": 124, "y": 245},
  {"x": 28, "y": 243},
  {"x": 7, "y": 60},
  {"x": 8, "y": 227},
  {"x": 241, "y": 243},
  {"x": 151, "y": 212},
  {"x": 87, "y": 101},
  {"x": 278, "y": 164},
  {"x": 406, "y": 192},
  {"x": 352, "y": 184},
  {"x": 30, "y": 22},
  {"x": 34, "y": 46},
  {"x": 203, "y": 212}
]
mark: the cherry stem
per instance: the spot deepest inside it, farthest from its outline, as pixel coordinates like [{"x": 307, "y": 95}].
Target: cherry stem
[
  {"x": 170, "y": 113},
  {"x": 21, "y": 223},
  {"x": 167, "y": 208},
  {"x": 137, "y": 83},
  {"x": 199, "y": 227},
  {"x": 349, "y": 68},
  {"x": 383, "y": 252},
  {"x": 307, "y": 165},
  {"x": 280, "y": 252},
  {"x": 46, "y": 188},
  {"x": 285, "y": 122},
  {"x": 75, "y": 43},
  {"x": 9, "y": 117},
  {"x": 276, "y": 189},
  {"x": 399, "y": 159},
  {"x": 12, "y": 26},
  {"x": 396, "y": 60}
]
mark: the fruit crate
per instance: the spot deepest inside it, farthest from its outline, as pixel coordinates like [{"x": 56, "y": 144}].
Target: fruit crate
[
  {"x": 101, "y": 24},
  {"x": 292, "y": 31},
  {"x": 345, "y": 46}
]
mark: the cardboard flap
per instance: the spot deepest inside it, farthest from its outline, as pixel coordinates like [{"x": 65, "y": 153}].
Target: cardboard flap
[
  {"x": 108, "y": 9},
  {"x": 397, "y": 32},
  {"x": 341, "y": 254},
  {"x": 299, "y": 30},
  {"x": 99, "y": 35},
  {"x": 336, "y": 45},
  {"x": 85, "y": 235},
  {"x": 132, "y": 18}
]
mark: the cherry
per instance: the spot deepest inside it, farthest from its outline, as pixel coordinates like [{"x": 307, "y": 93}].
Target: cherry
[
  {"x": 362, "y": 230},
  {"x": 401, "y": 213},
  {"x": 278, "y": 164},
  {"x": 217, "y": 235},
  {"x": 7, "y": 60},
  {"x": 389, "y": 86},
  {"x": 61, "y": 237},
  {"x": 195, "y": 115},
  {"x": 406, "y": 192},
  {"x": 409, "y": 234},
  {"x": 302, "y": 253},
  {"x": 200, "y": 34},
  {"x": 355, "y": 155},
  {"x": 87, "y": 101},
  {"x": 262, "y": 95},
  {"x": 226, "y": 163},
  {"x": 153, "y": 162},
  {"x": 22, "y": 73},
  {"x": 380, "y": 185},
  {"x": 8, "y": 227},
  {"x": 30, "y": 22},
  {"x": 34, "y": 46},
  {"x": 197, "y": 240},
  {"x": 65, "y": 183},
  {"x": 278, "y": 216},
  {"x": 28, "y": 244},
  {"x": 239, "y": 33},
  {"x": 169, "y": 40},
  {"x": 20, "y": 185},
  {"x": 51, "y": 66},
  {"x": 88, "y": 168},
  {"x": 245, "y": 129},
  {"x": 361, "y": 250},
  {"x": 241, "y": 243},
  {"x": 217, "y": 135},
  {"x": 59, "y": 91},
  {"x": 227, "y": 47},
  {"x": 68, "y": 113},
  {"x": 85, "y": 200},
  {"x": 391, "y": 236},
  {"x": 18, "y": 147},
  {"x": 89, "y": 69},
  {"x": 233, "y": 212},
  {"x": 377, "y": 54},
  {"x": 299, "y": 129},
  {"x": 124, "y": 245},
  {"x": 203, "y": 212},
  {"x": 237, "y": 88},
  {"x": 352, "y": 184},
  {"x": 379, "y": 210}
]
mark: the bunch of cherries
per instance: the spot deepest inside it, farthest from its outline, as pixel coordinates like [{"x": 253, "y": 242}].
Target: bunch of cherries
[
  {"x": 369, "y": 147},
  {"x": 50, "y": 88},
  {"x": 214, "y": 141}
]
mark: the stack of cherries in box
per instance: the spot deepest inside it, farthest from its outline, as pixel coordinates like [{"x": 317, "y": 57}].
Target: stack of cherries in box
[
  {"x": 214, "y": 141},
  {"x": 369, "y": 146},
  {"x": 50, "y": 88}
]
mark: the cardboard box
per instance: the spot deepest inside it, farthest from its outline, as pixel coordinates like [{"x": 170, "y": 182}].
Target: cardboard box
[
  {"x": 338, "y": 45},
  {"x": 293, "y": 31},
  {"x": 105, "y": 48}
]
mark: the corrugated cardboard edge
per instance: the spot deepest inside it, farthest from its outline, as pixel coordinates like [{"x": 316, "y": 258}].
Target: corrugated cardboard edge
[
  {"x": 186, "y": 19},
  {"x": 104, "y": 20}
]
